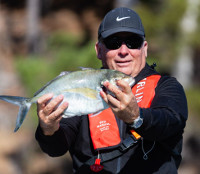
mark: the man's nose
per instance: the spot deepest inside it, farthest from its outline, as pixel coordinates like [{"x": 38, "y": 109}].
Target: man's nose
[{"x": 123, "y": 50}]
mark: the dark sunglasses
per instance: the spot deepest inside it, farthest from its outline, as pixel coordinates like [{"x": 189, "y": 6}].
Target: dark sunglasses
[{"x": 115, "y": 42}]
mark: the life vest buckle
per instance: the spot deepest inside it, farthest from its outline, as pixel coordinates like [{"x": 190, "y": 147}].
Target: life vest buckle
[{"x": 128, "y": 142}]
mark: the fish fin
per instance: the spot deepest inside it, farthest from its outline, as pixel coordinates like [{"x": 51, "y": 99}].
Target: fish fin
[
  {"x": 48, "y": 83},
  {"x": 96, "y": 113},
  {"x": 68, "y": 115},
  {"x": 132, "y": 82},
  {"x": 64, "y": 73},
  {"x": 24, "y": 106},
  {"x": 65, "y": 116},
  {"x": 23, "y": 110},
  {"x": 85, "y": 68}
]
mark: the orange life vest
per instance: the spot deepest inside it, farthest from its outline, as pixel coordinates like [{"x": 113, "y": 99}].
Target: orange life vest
[{"x": 104, "y": 130}]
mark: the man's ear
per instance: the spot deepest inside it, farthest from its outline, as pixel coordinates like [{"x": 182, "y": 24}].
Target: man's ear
[
  {"x": 98, "y": 50},
  {"x": 145, "y": 48}
]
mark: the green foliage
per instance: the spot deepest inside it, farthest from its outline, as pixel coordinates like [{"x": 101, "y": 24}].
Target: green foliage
[
  {"x": 162, "y": 28},
  {"x": 161, "y": 20},
  {"x": 63, "y": 54},
  {"x": 193, "y": 98},
  {"x": 173, "y": 12},
  {"x": 33, "y": 72},
  {"x": 61, "y": 40}
]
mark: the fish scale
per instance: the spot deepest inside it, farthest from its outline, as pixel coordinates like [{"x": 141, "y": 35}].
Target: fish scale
[{"x": 81, "y": 89}]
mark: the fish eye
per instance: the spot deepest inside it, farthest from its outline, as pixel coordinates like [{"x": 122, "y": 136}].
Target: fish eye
[
  {"x": 103, "y": 88},
  {"x": 117, "y": 79}
]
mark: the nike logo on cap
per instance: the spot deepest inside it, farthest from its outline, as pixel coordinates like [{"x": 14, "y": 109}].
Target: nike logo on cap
[{"x": 120, "y": 19}]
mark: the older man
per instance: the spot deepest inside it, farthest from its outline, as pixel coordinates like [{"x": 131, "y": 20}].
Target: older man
[{"x": 148, "y": 119}]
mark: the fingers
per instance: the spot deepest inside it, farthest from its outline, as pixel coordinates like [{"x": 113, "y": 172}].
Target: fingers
[
  {"x": 103, "y": 95},
  {"x": 124, "y": 86},
  {"x": 52, "y": 105},
  {"x": 124, "y": 104},
  {"x": 51, "y": 109},
  {"x": 41, "y": 103},
  {"x": 57, "y": 114},
  {"x": 108, "y": 98},
  {"x": 50, "y": 113},
  {"x": 121, "y": 91},
  {"x": 123, "y": 94}
]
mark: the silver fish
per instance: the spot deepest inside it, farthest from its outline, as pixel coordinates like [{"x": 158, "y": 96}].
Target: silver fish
[{"x": 81, "y": 89}]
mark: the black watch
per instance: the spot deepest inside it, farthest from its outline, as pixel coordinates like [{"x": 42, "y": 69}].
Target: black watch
[{"x": 138, "y": 121}]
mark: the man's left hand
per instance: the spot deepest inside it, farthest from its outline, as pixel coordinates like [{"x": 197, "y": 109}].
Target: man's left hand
[{"x": 124, "y": 104}]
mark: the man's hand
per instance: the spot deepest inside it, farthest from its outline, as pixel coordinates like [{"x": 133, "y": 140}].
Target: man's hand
[
  {"x": 124, "y": 104},
  {"x": 49, "y": 113}
]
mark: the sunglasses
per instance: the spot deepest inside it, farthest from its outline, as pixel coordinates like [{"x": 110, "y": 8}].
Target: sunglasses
[{"x": 115, "y": 42}]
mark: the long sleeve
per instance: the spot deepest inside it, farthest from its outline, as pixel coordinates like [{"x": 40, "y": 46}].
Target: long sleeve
[
  {"x": 167, "y": 115},
  {"x": 55, "y": 145},
  {"x": 59, "y": 143}
]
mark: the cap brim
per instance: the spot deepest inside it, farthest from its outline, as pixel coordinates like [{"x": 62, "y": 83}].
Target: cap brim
[{"x": 121, "y": 29}]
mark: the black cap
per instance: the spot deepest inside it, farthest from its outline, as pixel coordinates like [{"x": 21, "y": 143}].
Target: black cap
[{"x": 120, "y": 20}]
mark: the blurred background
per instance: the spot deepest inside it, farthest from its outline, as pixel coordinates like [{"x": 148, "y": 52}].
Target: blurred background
[{"x": 41, "y": 38}]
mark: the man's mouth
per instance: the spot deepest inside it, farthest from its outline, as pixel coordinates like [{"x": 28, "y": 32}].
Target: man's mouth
[{"x": 123, "y": 63}]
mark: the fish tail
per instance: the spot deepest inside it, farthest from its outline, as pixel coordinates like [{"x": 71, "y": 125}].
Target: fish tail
[{"x": 24, "y": 106}]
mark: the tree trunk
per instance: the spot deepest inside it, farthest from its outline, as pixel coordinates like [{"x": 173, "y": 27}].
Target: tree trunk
[
  {"x": 33, "y": 31},
  {"x": 125, "y": 3},
  {"x": 183, "y": 69}
]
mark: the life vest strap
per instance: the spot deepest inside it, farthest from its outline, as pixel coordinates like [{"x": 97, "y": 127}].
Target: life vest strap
[{"x": 126, "y": 144}]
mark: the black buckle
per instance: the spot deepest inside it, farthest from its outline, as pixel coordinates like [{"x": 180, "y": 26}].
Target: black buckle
[{"x": 128, "y": 142}]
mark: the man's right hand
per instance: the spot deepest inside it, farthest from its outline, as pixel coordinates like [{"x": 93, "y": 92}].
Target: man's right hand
[{"x": 49, "y": 113}]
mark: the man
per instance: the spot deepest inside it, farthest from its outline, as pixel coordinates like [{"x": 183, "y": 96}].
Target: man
[{"x": 149, "y": 118}]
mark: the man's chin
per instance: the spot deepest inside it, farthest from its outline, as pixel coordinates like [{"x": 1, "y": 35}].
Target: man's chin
[{"x": 125, "y": 70}]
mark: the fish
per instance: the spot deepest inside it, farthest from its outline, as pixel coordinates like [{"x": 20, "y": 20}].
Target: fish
[{"x": 81, "y": 89}]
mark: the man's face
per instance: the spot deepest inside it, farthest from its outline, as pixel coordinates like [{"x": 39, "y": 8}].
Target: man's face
[{"x": 124, "y": 59}]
